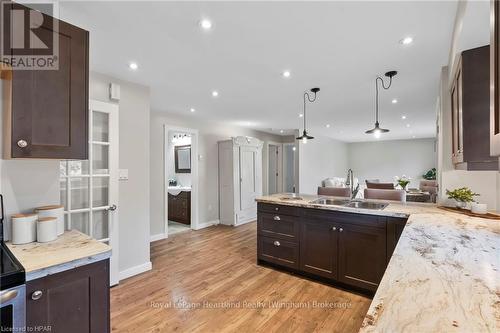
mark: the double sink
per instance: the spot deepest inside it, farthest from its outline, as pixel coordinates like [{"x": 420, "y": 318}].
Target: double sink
[{"x": 351, "y": 203}]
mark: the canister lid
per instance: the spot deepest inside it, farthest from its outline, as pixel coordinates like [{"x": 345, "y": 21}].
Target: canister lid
[
  {"x": 19, "y": 216},
  {"x": 50, "y": 207},
  {"x": 47, "y": 219}
]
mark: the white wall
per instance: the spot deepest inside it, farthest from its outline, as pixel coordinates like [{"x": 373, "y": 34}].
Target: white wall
[
  {"x": 133, "y": 208},
  {"x": 209, "y": 134},
  {"x": 321, "y": 158},
  {"x": 385, "y": 159}
]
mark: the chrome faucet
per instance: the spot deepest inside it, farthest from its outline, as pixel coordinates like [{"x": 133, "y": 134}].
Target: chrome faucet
[{"x": 350, "y": 183}]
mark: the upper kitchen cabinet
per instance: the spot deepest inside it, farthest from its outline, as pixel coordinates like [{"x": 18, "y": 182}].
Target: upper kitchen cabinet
[
  {"x": 495, "y": 80},
  {"x": 470, "y": 102},
  {"x": 46, "y": 109}
]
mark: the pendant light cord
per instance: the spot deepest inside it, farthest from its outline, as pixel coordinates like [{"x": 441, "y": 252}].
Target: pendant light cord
[
  {"x": 310, "y": 101},
  {"x": 376, "y": 94}
]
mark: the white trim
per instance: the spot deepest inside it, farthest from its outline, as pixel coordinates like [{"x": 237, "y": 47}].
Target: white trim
[
  {"x": 132, "y": 271},
  {"x": 206, "y": 224},
  {"x": 194, "y": 174},
  {"x": 158, "y": 237}
]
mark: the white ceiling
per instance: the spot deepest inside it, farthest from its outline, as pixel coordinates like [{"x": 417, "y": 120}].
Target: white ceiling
[{"x": 337, "y": 46}]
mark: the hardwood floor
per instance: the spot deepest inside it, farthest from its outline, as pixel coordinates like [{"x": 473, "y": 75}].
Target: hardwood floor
[{"x": 208, "y": 281}]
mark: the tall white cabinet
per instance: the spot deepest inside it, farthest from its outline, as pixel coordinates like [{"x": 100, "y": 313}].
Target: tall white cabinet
[{"x": 240, "y": 179}]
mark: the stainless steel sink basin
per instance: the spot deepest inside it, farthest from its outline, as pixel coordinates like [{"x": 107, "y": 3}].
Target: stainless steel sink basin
[
  {"x": 332, "y": 202},
  {"x": 367, "y": 205},
  {"x": 350, "y": 203}
]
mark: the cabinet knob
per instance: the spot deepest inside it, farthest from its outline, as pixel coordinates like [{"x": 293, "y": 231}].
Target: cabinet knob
[
  {"x": 276, "y": 209},
  {"x": 22, "y": 143},
  {"x": 36, "y": 295},
  {"x": 340, "y": 229},
  {"x": 334, "y": 228},
  {"x": 277, "y": 218},
  {"x": 276, "y": 243}
]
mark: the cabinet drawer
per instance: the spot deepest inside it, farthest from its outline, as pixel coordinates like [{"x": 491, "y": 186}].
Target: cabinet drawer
[
  {"x": 282, "y": 210},
  {"x": 373, "y": 221},
  {"x": 278, "y": 225},
  {"x": 278, "y": 251}
]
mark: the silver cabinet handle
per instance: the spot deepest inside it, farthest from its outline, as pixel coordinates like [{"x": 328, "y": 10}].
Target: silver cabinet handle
[
  {"x": 340, "y": 229},
  {"x": 8, "y": 296},
  {"x": 277, "y": 218},
  {"x": 334, "y": 228},
  {"x": 276, "y": 243},
  {"x": 36, "y": 295},
  {"x": 22, "y": 143}
]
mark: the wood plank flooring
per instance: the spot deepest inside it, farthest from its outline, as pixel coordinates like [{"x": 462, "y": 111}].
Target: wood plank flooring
[{"x": 208, "y": 281}]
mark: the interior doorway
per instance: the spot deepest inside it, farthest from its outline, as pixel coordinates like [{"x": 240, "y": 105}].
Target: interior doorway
[
  {"x": 181, "y": 180},
  {"x": 289, "y": 171},
  {"x": 274, "y": 168}
]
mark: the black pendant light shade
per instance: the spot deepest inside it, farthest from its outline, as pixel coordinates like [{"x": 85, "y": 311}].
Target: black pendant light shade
[
  {"x": 377, "y": 130},
  {"x": 304, "y": 137}
]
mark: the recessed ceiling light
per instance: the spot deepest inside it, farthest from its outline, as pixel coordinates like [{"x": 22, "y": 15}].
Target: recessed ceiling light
[
  {"x": 281, "y": 131},
  {"x": 294, "y": 148},
  {"x": 327, "y": 125},
  {"x": 414, "y": 136},
  {"x": 192, "y": 110},
  {"x": 406, "y": 41},
  {"x": 394, "y": 101},
  {"x": 206, "y": 24},
  {"x": 403, "y": 117},
  {"x": 407, "y": 125},
  {"x": 133, "y": 66},
  {"x": 215, "y": 93},
  {"x": 301, "y": 115},
  {"x": 286, "y": 74}
]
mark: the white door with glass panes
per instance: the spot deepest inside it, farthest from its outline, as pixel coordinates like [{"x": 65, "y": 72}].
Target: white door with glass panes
[{"x": 89, "y": 189}]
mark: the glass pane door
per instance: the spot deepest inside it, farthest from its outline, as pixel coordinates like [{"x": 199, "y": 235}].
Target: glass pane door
[{"x": 89, "y": 188}]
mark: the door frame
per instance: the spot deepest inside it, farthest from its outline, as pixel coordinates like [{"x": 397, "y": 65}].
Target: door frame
[
  {"x": 279, "y": 166},
  {"x": 194, "y": 175},
  {"x": 295, "y": 173}
]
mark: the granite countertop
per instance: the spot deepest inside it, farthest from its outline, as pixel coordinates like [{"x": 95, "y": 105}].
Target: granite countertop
[
  {"x": 443, "y": 276},
  {"x": 70, "y": 250}
]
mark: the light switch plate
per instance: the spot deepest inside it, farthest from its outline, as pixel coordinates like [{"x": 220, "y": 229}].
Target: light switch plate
[{"x": 123, "y": 174}]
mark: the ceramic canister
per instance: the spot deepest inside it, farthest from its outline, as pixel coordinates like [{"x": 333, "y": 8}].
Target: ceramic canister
[
  {"x": 53, "y": 211},
  {"x": 46, "y": 229},
  {"x": 23, "y": 228}
]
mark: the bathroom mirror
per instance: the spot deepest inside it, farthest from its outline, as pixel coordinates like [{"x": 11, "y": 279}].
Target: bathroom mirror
[{"x": 183, "y": 159}]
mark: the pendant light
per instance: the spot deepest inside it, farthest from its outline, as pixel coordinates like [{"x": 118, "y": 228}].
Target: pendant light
[
  {"x": 304, "y": 137},
  {"x": 377, "y": 130}
]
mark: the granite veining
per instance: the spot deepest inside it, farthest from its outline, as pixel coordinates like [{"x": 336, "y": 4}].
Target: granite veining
[
  {"x": 70, "y": 250},
  {"x": 443, "y": 276}
]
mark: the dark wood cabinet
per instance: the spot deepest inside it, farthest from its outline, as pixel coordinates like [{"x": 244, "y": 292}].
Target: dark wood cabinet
[
  {"x": 75, "y": 301},
  {"x": 318, "y": 248},
  {"x": 362, "y": 255},
  {"x": 495, "y": 79},
  {"x": 470, "y": 102},
  {"x": 340, "y": 247},
  {"x": 179, "y": 207},
  {"x": 46, "y": 111},
  {"x": 395, "y": 228}
]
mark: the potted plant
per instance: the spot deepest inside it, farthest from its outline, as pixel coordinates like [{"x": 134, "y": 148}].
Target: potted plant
[
  {"x": 403, "y": 181},
  {"x": 430, "y": 175},
  {"x": 462, "y": 196}
]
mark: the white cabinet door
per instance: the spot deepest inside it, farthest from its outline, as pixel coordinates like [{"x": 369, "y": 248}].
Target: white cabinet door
[{"x": 248, "y": 179}]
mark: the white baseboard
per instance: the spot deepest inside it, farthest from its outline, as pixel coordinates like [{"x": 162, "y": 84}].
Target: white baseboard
[
  {"x": 245, "y": 222},
  {"x": 158, "y": 237},
  {"x": 129, "y": 272},
  {"x": 206, "y": 224}
]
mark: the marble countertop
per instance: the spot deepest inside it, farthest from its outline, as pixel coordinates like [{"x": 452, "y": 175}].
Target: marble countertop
[
  {"x": 70, "y": 250},
  {"x": 443, "y": 276}
]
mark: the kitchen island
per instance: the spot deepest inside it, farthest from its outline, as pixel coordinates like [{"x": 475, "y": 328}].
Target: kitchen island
[{"x": 442, "y": 276}]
